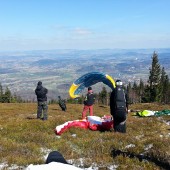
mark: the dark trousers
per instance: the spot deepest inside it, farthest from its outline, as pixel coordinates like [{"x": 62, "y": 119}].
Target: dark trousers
[
  {"x": 120, "y": 121},
  {"x": 42, "y": 109},
  {"x": 120, "y": 127}
]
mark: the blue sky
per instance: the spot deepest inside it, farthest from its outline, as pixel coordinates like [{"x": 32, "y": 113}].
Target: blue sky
[{"x": 84, "y": 24}]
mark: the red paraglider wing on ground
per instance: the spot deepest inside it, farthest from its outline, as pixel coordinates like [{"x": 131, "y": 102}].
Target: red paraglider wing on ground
[
  {"x": 92, "y": 123},
  {"x": 75, "y": 123},
  {"x": 101, "y": 124}
]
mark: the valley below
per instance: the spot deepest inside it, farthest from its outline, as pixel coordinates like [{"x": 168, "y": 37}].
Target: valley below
[{"x": 58, "y": 69}]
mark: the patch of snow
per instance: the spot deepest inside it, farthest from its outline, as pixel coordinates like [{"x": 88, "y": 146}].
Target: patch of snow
[
  {"x": 15, "y": 167},
  {"x": 148, "y": 147},
  {"x": 45, "y": 152},
  {"x": 94, "y": 166},
  {"x": 3, "y": 165},
  {"x": 111, "y": 167},
  {"x": 130, "y": 146},
  {"x": 58, "y": 137},
  {"x": 74, "y": 135},
  {"x": 164, "y": 121},
  {"x": 168, "y": 123},
  {"x": 139, "y": 137},
  {"x": 12, "y": 167}
]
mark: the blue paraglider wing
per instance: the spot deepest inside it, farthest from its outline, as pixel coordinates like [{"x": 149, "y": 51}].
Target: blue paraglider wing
[{"x": 90, "y": 79}]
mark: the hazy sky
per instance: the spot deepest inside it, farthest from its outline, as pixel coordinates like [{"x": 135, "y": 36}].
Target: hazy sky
[{"x": 84, "y": 24}]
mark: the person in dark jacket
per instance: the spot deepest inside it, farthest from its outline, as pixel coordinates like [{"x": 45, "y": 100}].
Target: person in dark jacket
[
  {"x": 119, "y": 113},
  {"x": 42, "y": 107},
  {"x": 88, "y": 103}
]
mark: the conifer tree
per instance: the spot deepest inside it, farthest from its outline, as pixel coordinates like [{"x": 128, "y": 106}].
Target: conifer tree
[
  {"x": 141, "y": 90},
  {"x": 164, "y": 87},
  {"x": 130, "y": 92},
  {"x": 7, "y": 96},
  {"x": 135, "y": 95},
  {"x": 154, "y": 79},
  {"x": 146, "y": 95},
  {"x": 166, "y": 90},
  {"x": 161, "y": 84},
  {"x": 1, "y": 92},
  {"x": 103, "y": 96}
]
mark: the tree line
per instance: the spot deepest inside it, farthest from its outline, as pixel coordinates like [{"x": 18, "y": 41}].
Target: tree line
[
  {"x": 156, "y": 89},
  {"x": 7, "y": 97}
]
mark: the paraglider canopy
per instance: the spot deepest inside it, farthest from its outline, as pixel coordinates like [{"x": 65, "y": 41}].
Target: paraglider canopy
[{"x": 88, "y": 80}]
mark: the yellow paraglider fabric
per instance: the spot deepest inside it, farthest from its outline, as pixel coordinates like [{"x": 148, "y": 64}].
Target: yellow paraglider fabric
[
  {"x": 90, "y": 79},
  {"x": 72, "y": 90},
  {"x": 110, "y": 78}
]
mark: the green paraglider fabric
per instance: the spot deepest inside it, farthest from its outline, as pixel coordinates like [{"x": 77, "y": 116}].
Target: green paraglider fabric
[
  {"x": 163, "y": 112},
  {"x": 146, "y": 113}
]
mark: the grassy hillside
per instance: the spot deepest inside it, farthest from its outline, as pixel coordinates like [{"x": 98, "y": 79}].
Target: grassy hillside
[{"x": 26, "y": 140}]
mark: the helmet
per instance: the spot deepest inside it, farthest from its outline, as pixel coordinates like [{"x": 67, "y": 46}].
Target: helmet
[
  {"x": 119, "y": 83},
  {"x": 89, "y": 88}
]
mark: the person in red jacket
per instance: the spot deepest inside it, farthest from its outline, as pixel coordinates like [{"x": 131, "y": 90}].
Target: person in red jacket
[{"x": 88, "y": 103}]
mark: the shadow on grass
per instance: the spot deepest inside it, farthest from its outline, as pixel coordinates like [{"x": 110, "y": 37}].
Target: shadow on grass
[
  {"x": 30, "y": 118},
  {"x": 103, "y": 106},
  {"x": 57, "y": 109},
  {"x": 158, "y": 161}
]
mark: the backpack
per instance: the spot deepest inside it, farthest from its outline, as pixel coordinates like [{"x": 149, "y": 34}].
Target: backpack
[{"x": 120, "y": 99}]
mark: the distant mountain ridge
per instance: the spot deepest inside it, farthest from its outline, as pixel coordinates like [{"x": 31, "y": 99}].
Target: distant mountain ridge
[{"x": 57, "y": 69}]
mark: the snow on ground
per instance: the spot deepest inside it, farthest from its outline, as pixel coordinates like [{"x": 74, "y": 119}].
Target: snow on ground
[
  {"x": 94, "y": 166},
  {"x": 16, "y": 167},
  {"x": 45, "y": 153},
  {"x": 12, "y": 167},
  {"x": 130, "y": 146}
]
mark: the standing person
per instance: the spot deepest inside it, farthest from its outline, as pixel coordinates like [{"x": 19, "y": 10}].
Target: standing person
[
  {"x": 62, "y": 103},
  {"x": 88, "y": 103},
  {"x": 119, "y": 107},
  {"x": 42, "y": 107}
]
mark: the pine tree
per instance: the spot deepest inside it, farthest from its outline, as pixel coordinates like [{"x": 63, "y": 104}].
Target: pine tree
[
  {"x": 103, "y": 96},
  {"x": 154, "y": 79},
  {"x": 130, "y": 93},
  {"x": 141, "y": 90},
  {"x": 135, "y": 96},
  {"x": 7, "y": 96},
  {"x": 164, "y": 87},
  {"x": 161, "y": 84},
  {"x": 1, "y": 92},
  {"x": 146, "y": 95},
  {"x": 166, "y": 90}
]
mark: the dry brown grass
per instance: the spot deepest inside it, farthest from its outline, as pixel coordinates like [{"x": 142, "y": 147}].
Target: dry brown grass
[{"x": 24, "y": 139}]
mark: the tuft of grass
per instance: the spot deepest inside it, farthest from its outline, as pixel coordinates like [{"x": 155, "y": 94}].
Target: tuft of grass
[{"x": 26, "y": 140}]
